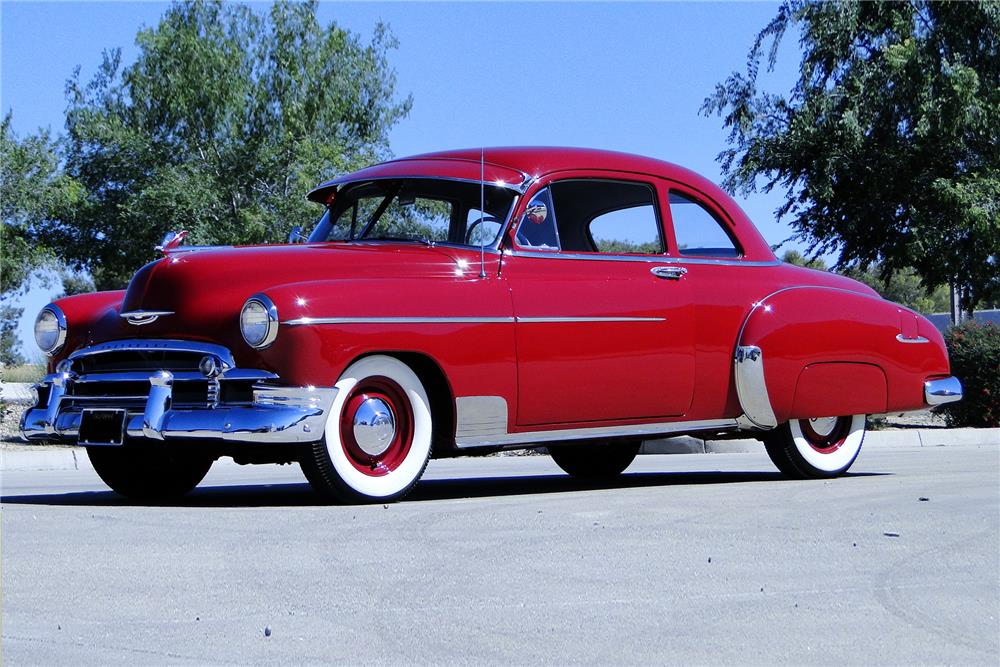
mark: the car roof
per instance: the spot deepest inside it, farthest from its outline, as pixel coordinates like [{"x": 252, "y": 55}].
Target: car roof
[
  {"x": 517, "y": 166},
  {"x": 523, "y": 162}
]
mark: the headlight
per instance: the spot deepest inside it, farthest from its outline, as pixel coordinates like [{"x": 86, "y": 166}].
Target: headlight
[
  {"x": 50, "y": 329},
  {"x": 259, "y": 321}
]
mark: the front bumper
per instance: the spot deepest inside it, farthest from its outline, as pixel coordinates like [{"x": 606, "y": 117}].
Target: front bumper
[
  {"x": 943, "y": 390},
  {"x": 275, "y": 415}
]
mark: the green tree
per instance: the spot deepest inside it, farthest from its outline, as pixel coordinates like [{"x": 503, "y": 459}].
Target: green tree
[
  {"x": 903, "y": 287},
  {"x": 798, "y": 259},
  {"x": 223, "y": 123},
  {"x": 887, "y": 143},
  {"x": 33, "y": 191}
]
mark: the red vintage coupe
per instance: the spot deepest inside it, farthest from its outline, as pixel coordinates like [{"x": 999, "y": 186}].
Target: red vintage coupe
[{"x": 462, "y": 302}]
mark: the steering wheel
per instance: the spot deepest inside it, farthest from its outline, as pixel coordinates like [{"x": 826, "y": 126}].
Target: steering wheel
[{"x": 486, "y": 218}]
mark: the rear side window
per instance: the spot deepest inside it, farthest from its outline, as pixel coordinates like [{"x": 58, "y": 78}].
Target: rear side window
[{"x": 699, "y": 233}]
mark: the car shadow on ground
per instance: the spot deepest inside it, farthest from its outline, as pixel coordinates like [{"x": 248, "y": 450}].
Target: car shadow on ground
[{"x": 301, "y": 495}]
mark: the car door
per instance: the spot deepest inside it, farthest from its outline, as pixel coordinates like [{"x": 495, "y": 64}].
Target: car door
[{"x": 604, "y": 324}]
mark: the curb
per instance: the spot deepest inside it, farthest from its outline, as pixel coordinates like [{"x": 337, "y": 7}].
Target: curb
[
  {"x": 917, "y": 437},
  {"x": 45, "y": 458},
  {"x": 53, "y": 457},
  {"x": 17, "y": 392}
]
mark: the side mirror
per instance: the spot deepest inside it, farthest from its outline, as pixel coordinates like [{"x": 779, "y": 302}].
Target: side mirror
[{"x": 296, "y": 235}]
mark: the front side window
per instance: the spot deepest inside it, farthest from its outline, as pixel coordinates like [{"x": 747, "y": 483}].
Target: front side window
[
  {"x": 606, "y": 216},
  {"x": 699, "y": 233},
  {"x": 422, "y": 210}
]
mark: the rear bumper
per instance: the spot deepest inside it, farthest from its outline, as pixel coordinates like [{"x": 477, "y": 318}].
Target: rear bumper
[
  {"x": 276, "y": 415},
  {"x": 943, "y": 390}
]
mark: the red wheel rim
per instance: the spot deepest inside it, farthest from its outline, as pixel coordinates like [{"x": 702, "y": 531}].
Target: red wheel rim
[
  {"x": 826, "y": 441},
  {"x": 392, "y": 396}
]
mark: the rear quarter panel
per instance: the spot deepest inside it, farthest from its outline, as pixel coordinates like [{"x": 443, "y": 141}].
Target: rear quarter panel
[{"x": 829, "y": 351}]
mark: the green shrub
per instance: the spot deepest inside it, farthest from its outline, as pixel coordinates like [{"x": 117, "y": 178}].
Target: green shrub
[
  {"x": 22, "y": 373},
  {"x": 974, "y": 349}
]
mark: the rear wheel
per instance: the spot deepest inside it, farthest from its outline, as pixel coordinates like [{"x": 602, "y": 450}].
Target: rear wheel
[
  {"x": 595, "y": 461},
  {"x": 816, "y": 448},
  {"x": 147, "y": 471},
  {"x": 378, "y": 436}
]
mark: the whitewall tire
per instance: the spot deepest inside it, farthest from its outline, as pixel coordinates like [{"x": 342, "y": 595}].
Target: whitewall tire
[
  {"x": 377, "y": 439},
  {"x": 815, "y": 448}
]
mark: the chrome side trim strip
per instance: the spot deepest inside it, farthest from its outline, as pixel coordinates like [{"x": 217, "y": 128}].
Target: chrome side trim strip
[
  {"x": 751, "y": 387},
  {"x": 462, "y": 320},
  {"x": 945, "y": 390},
  {"x": 536, "y": 320},
  {"x": 917, "y": 339},
  {"x": 399, "y": 320},
  {"x": 481, "y": 421},
  {"x": 598, "y": 257}
]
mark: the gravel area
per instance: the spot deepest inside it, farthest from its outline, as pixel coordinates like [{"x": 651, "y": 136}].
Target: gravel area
[{"x": 10, "y": 420}]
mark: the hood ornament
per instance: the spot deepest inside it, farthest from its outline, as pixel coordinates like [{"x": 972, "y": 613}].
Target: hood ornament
[
  {"x": 141, "y": 317},
  {"x": 171, "y": 241}
]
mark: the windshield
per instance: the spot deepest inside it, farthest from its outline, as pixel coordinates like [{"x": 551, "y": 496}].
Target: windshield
[{"x": 416, "y": 209}]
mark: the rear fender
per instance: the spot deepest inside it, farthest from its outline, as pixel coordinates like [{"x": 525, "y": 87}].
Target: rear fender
[{"x": 824, "y": 351}]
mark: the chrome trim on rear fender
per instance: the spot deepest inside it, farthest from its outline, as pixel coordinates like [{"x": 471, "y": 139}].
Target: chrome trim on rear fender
[
  {"x": 751, "y": 388},
  {"x": 942, "y": 390},
  {"x": 916, "y": 339}
]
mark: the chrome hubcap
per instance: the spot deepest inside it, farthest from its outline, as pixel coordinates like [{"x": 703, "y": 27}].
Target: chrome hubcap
[
  {"x": 823, "y": 426},
  {"x": 374, "y": 426}
]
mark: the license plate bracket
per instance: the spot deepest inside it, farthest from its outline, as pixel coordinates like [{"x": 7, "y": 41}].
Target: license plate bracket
[{"x": 102, "y": 427}]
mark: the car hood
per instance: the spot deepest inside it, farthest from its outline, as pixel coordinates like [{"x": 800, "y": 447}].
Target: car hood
[{"x": 200, "y": 292}]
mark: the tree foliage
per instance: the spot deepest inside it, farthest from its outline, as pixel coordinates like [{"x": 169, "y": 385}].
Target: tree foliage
[
  {"x": 901, "y": 286},
  {"x": 223, "y": 123},
  {"x": 33, "y": 191},
  {"x": 887, "y": 143}
]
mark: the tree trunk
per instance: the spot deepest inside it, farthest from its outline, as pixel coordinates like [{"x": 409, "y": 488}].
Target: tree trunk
[{"x": 957, "y": 315}]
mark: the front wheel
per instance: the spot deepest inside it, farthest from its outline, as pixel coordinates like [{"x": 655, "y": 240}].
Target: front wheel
[
  {"x": 816, "y": 448},
  {"x": 597, "y": 461},
  {"x": 378, "y": 435},
  {"x": 145, "y": 471}
]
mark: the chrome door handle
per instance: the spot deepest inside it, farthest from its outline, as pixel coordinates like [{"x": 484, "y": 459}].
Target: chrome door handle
[{"x": 668, "y": 272}]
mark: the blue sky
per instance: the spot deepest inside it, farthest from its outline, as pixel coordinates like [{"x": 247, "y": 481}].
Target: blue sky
[{"x": 618, "y": 76}]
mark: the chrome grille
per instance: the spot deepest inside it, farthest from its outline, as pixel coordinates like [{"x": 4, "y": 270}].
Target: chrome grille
[
  {"x": 138, "y": 360},
  {"x": 117, "y": 373}
]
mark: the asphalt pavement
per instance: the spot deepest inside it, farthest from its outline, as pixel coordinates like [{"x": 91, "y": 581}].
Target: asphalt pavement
[{"x": 688, "y": 559}]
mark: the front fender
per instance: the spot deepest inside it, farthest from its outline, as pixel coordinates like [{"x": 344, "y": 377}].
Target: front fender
[
  {"x": 89, "y": 317},
  {"x": 464, "y": 324},
  {"x": 825, "y": 351}
]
